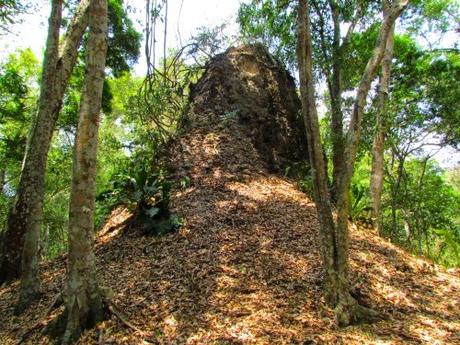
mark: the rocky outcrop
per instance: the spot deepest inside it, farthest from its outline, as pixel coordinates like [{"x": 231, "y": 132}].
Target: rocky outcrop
[{"x": 248, "y": 85}]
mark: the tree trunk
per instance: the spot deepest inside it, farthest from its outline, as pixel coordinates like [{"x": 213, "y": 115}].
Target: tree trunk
[
  {"x": 336, "y": 103},
  {"x": 377, "y": 173},
  {"x": 317, "y": 162},
  {"x": 42, "y": 129},
  {"x": 335, "y": 237},
  {"x": 27, "y": 211},
  {"x": 2, "y": 179},
  {"x": 395, "y": 188},
  {"x": 84, "y": 301},
  {"x": 348, "y": 311}
]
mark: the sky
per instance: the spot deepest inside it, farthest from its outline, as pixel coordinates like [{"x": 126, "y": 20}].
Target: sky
[{"x": 184, "y": 17}]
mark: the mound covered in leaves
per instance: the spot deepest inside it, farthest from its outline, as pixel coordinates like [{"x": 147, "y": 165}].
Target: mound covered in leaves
[{"x": 245, "y": 267}]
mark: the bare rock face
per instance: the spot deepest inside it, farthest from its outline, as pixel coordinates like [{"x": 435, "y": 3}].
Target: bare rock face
[{"x": 248, "y": 86}]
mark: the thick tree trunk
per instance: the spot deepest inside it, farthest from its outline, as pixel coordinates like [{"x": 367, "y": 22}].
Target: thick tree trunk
[
  {"x": 377, "y": 173},
  {"x": 27, "y": 212},
  {"x": 84, "y": 301},
  {"x": 41, "y": 135},
  {"x": 335, "y": 238}
]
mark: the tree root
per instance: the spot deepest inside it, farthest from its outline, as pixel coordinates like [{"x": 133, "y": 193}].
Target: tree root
[
  {"x": 25, "y": 300},
  {"x": 349, "y": 312},
  {"x": 56, "y": 302},
  {"x": 120, "y": 316}
]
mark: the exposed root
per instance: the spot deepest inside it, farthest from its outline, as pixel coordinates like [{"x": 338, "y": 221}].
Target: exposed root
[
  {"x": 25, "y": 300},
  {"x": 349, "y": 312},
  {"x": 56, "y": 302},
  {"x": 120, "y": 316}
]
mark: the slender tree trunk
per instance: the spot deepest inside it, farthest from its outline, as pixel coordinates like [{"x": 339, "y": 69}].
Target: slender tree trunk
[
  {"x": 27, "y": 211},
  {"x": 317, "y": 161},
  {"x": 377, "y": 172},
  {"x": 347, "y": 311},
  {"x": 335, "y": 239},
  {"x": 53, "y": 88},
  {"x": 336, "y": 103},
  {"x": 2, "y": 179},
  {"x": 337, "y": 137},
  {"x": 42, "y": 130},
  {"x": 84, "y": 301},
  {"x": 395, "y": 196}
]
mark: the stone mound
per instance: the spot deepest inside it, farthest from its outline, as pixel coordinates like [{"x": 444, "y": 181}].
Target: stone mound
[{"x": 248, "y": 85}]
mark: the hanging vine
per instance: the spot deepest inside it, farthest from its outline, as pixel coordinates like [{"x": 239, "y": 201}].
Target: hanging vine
[{"x": 162, "y": 96}]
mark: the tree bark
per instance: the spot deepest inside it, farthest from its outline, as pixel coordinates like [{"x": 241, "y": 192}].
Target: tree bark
[
  {"x": 347, "y": 310},
  {"x": 84, "y": 300},
  {"x": 27, "y": 211},
  {"x": 2, "y": 179},
  {"x": 335, "y": 237},
  {"x": 336, "y": 102},
  {"x": 29, "y": 266},
  {"x": 377, "y": 172},
  {"x": 317, "y": 162}
]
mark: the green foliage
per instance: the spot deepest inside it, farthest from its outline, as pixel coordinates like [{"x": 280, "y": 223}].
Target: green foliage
[
  {"x": 271, "y": 22},
  {"x": 124, "y": 41},
  {"x": 159, "y": 107},
  {"x": 148, "y": 195},
  {"x": 185, "y": 182},
  {"x": 302, "y": 174},
  {"x": 359, "y": 191},
  {"x": 306, "y": 185},
  {"x": 442, "y": 73},
  {"x": 10, "y": 11},
  {"x": 421, "y": 211},
  {"x": 57, "y": 195},
  {"x": 145, "y": 116},
  {"x": 123, "y": 52},
  {"x": 18, "y": 96},
  {"x": 359, "y": 51},
  {"x": 449, "y": 248},
  {"x": 429, "y": 16},
  {"x": 453, "y": 178},
  {"x": 208, "y": 42},
  {"x": 133, "y": 138}
]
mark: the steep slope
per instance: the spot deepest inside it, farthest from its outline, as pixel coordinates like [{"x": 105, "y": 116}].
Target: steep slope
[{"x": 245, "y": 267}]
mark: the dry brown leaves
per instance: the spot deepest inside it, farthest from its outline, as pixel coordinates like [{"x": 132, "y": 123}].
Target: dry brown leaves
[{"x": 245, "y": 268}]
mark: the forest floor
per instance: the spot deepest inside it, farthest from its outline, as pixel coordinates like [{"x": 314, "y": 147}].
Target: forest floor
[{"x": 244, "y": 269}]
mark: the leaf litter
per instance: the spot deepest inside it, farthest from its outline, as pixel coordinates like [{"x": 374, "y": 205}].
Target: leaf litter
[{"x": 245, "y": 268}]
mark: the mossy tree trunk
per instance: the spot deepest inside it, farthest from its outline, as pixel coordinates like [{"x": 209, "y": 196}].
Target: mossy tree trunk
[
  {"x": 335, "y": 235},
  {"x": 83, "y": 299}
]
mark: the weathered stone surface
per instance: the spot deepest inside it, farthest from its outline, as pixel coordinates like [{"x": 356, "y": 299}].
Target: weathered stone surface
[{"x": 246, "y": 84}]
